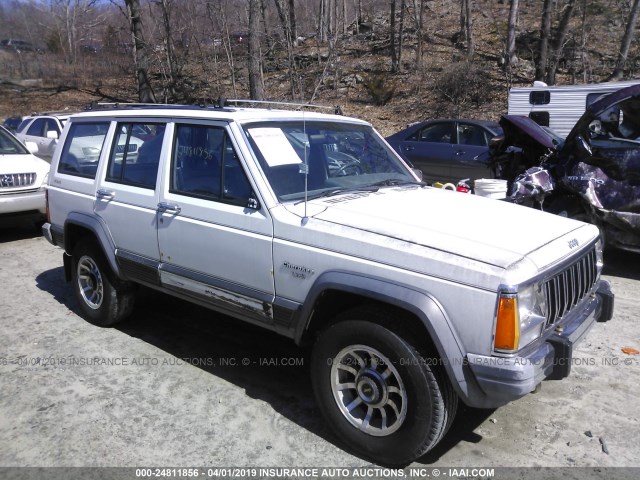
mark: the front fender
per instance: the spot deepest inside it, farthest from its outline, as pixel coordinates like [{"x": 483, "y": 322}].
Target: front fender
[{"x": 426, "y": 308}]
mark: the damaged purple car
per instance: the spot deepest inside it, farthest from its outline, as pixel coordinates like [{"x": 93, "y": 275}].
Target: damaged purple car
[{"x": 593, "y": 175}]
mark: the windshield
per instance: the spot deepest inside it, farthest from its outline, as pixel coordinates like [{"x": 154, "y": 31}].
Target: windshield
[
  {"x": 336, "y": 156},
  {"x": 9, "y": 145}
]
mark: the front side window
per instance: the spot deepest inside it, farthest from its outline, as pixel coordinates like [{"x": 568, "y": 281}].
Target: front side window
[
  {"x": 323, "y": 158},
  {"x": 472, "y": 135},
  {"x": 82, "y": 148},
  {"x": 205, "y": 165},
  {"x": 135, "y": 154}
]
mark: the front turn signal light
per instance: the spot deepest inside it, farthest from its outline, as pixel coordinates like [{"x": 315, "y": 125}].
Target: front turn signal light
[{"x": 507, "y": 324}]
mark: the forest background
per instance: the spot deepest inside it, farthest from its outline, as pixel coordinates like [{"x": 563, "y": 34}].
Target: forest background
[{"x": 391, "y": 62}]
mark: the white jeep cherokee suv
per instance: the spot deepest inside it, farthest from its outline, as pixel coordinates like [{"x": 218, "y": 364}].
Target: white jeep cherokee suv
[{"x": 411, "y": 298}]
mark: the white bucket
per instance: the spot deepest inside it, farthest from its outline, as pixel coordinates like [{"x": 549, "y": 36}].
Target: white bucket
[{"x": 491, "y": 188}]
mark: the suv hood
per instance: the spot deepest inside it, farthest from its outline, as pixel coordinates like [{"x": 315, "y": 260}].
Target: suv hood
[{"x": 487, "y": 230}]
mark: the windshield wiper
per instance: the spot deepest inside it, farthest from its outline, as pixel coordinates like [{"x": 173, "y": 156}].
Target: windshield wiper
[
  {"x": 394, "y": 182},
  {"x": 338, "y": 191}
]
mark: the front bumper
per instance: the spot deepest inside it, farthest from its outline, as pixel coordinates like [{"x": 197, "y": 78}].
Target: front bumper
[
  {"x": 503, "y": 379},
  {"x": 18, "y": 202}
]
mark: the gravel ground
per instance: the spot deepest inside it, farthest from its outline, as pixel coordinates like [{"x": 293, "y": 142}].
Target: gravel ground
[{"x": 178, "y": 385}]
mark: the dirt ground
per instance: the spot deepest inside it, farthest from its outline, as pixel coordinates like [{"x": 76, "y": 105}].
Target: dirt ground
[{"x": 181, "y": 386}]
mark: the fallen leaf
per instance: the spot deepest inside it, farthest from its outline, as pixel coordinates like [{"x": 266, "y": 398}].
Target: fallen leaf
[{"x": 630, "y": 351}]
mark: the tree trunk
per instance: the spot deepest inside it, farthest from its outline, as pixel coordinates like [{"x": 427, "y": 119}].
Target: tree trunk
[
  {"x": 392, "y": 39},
  {"x": 419, "y": 29},
  {"x": 145, "y": 91},
  {"x": 558, "y": 43},
  {"x": 469, "y": 27},
  {"x": 256, "y": 89},
  {"x": 510, "y": 54},
  {"x": 545, "y": 33},
  {"x": 292, "y": 20},
  {"x": 627, "y": 38}
]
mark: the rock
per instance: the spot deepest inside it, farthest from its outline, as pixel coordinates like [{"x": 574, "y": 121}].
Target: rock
[
  {"x": 493, "y": 420},
  {"x": 588, "y": 434},
  {"x": 604, "y": 445}
]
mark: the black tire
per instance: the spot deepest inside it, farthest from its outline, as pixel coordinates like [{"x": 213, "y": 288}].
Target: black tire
[
  {"x": 104, "y": 299},
  {"x": 425, "y": 402}
]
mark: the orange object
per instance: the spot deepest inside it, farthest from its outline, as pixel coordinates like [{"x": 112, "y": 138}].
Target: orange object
[{"x": 630, "y": 351}]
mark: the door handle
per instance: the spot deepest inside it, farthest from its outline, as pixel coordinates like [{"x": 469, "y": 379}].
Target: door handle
[
  {"x": 106, "y": 194},
  {"x": 168, "y": 207},
  {"x": 460, "y": 152},
  {"x": 409, "y": 149}
]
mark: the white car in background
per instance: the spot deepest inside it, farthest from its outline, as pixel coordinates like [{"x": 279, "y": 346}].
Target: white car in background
[
  {"x": 23, "y": 178},
  {"x": 44, "y": 131}
]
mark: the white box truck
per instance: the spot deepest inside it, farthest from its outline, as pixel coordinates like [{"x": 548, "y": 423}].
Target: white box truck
[{"x": 559, "y": 107}]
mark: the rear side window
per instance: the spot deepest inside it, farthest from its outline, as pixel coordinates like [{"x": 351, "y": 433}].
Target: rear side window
[
  {"x": 436, "y": 133},
  {"x": 135, "y": 154},
  {"x": 82, "y": 149},
  {"x": 37, "y": 128}
]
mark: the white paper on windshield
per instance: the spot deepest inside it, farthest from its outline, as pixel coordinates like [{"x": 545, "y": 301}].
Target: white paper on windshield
[{"x": 274, "y": 146}]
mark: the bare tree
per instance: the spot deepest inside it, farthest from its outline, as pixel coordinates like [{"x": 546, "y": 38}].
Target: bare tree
[
  {"x": 510, "y": 53},
  {"x": 419, "y": 7},
  {"x": 284, "y": 13},
  {"x": 396, "y": 46},
  {"x": 256, "y": 88},
  {"x": 559, "y": 41},
  {"x": 543, "y": 47},
  {"x": 141, "y": 59},
  {"x": 466, "y": 25},
  {"x": 627, "y": 38}
]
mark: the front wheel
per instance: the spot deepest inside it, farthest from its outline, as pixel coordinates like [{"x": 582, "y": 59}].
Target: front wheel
[
  {"x": 378, "y": 393},
  {"x": 104, "y": 299}
]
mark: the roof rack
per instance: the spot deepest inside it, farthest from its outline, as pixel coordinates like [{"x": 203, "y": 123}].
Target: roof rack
[
  {"x": 299, "y": 106},
  {"x": 59, "y": 112},
  {"x": 220, "y": 103}
]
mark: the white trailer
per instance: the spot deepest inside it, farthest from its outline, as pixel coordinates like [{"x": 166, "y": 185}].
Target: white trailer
[{"x": 559, "y": 107}]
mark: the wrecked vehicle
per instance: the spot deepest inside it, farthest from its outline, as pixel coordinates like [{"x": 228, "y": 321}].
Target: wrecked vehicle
[{"x": 593, "y": 175}]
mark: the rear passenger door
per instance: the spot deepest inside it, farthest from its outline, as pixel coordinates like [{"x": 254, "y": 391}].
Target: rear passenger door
[
  {"x": 126, "y": 196},
  {"x": 215, "y": 242}
]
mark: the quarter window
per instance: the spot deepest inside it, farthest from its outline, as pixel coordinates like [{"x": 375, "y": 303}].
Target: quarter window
[
  {"x": 82, "y": 148},
  {"x": 135, "y": 154}
]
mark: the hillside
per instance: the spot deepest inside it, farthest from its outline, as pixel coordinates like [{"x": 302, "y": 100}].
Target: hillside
[{"x": 357, "y": 76}]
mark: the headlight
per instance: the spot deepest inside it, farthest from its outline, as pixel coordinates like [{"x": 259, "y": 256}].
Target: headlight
[
  {"x": 520, "y": 318},
  {"x": 532, "y": 308},
  {"x": 599, "y": 256}
]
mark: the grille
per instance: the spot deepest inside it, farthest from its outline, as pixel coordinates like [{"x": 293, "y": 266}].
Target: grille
[
  {"x": 132, "y": 147},
  {"x": 13, "y": 180},
  {"x": 565, "y": 290}
]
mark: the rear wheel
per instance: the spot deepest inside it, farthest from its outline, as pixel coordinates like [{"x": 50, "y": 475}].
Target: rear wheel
[
  {"x": 104, "y": 299},
  {"x": 376, "y": 390}
]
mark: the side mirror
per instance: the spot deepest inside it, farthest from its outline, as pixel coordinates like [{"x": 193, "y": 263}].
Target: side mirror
[
  {"x": 252, "y": 202},
  {"x": 52, "y": 134},
  {"x": 32, "y": 147}
]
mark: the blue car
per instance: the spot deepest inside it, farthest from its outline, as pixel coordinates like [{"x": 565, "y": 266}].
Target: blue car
[{"x": 447, "y": 150}]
